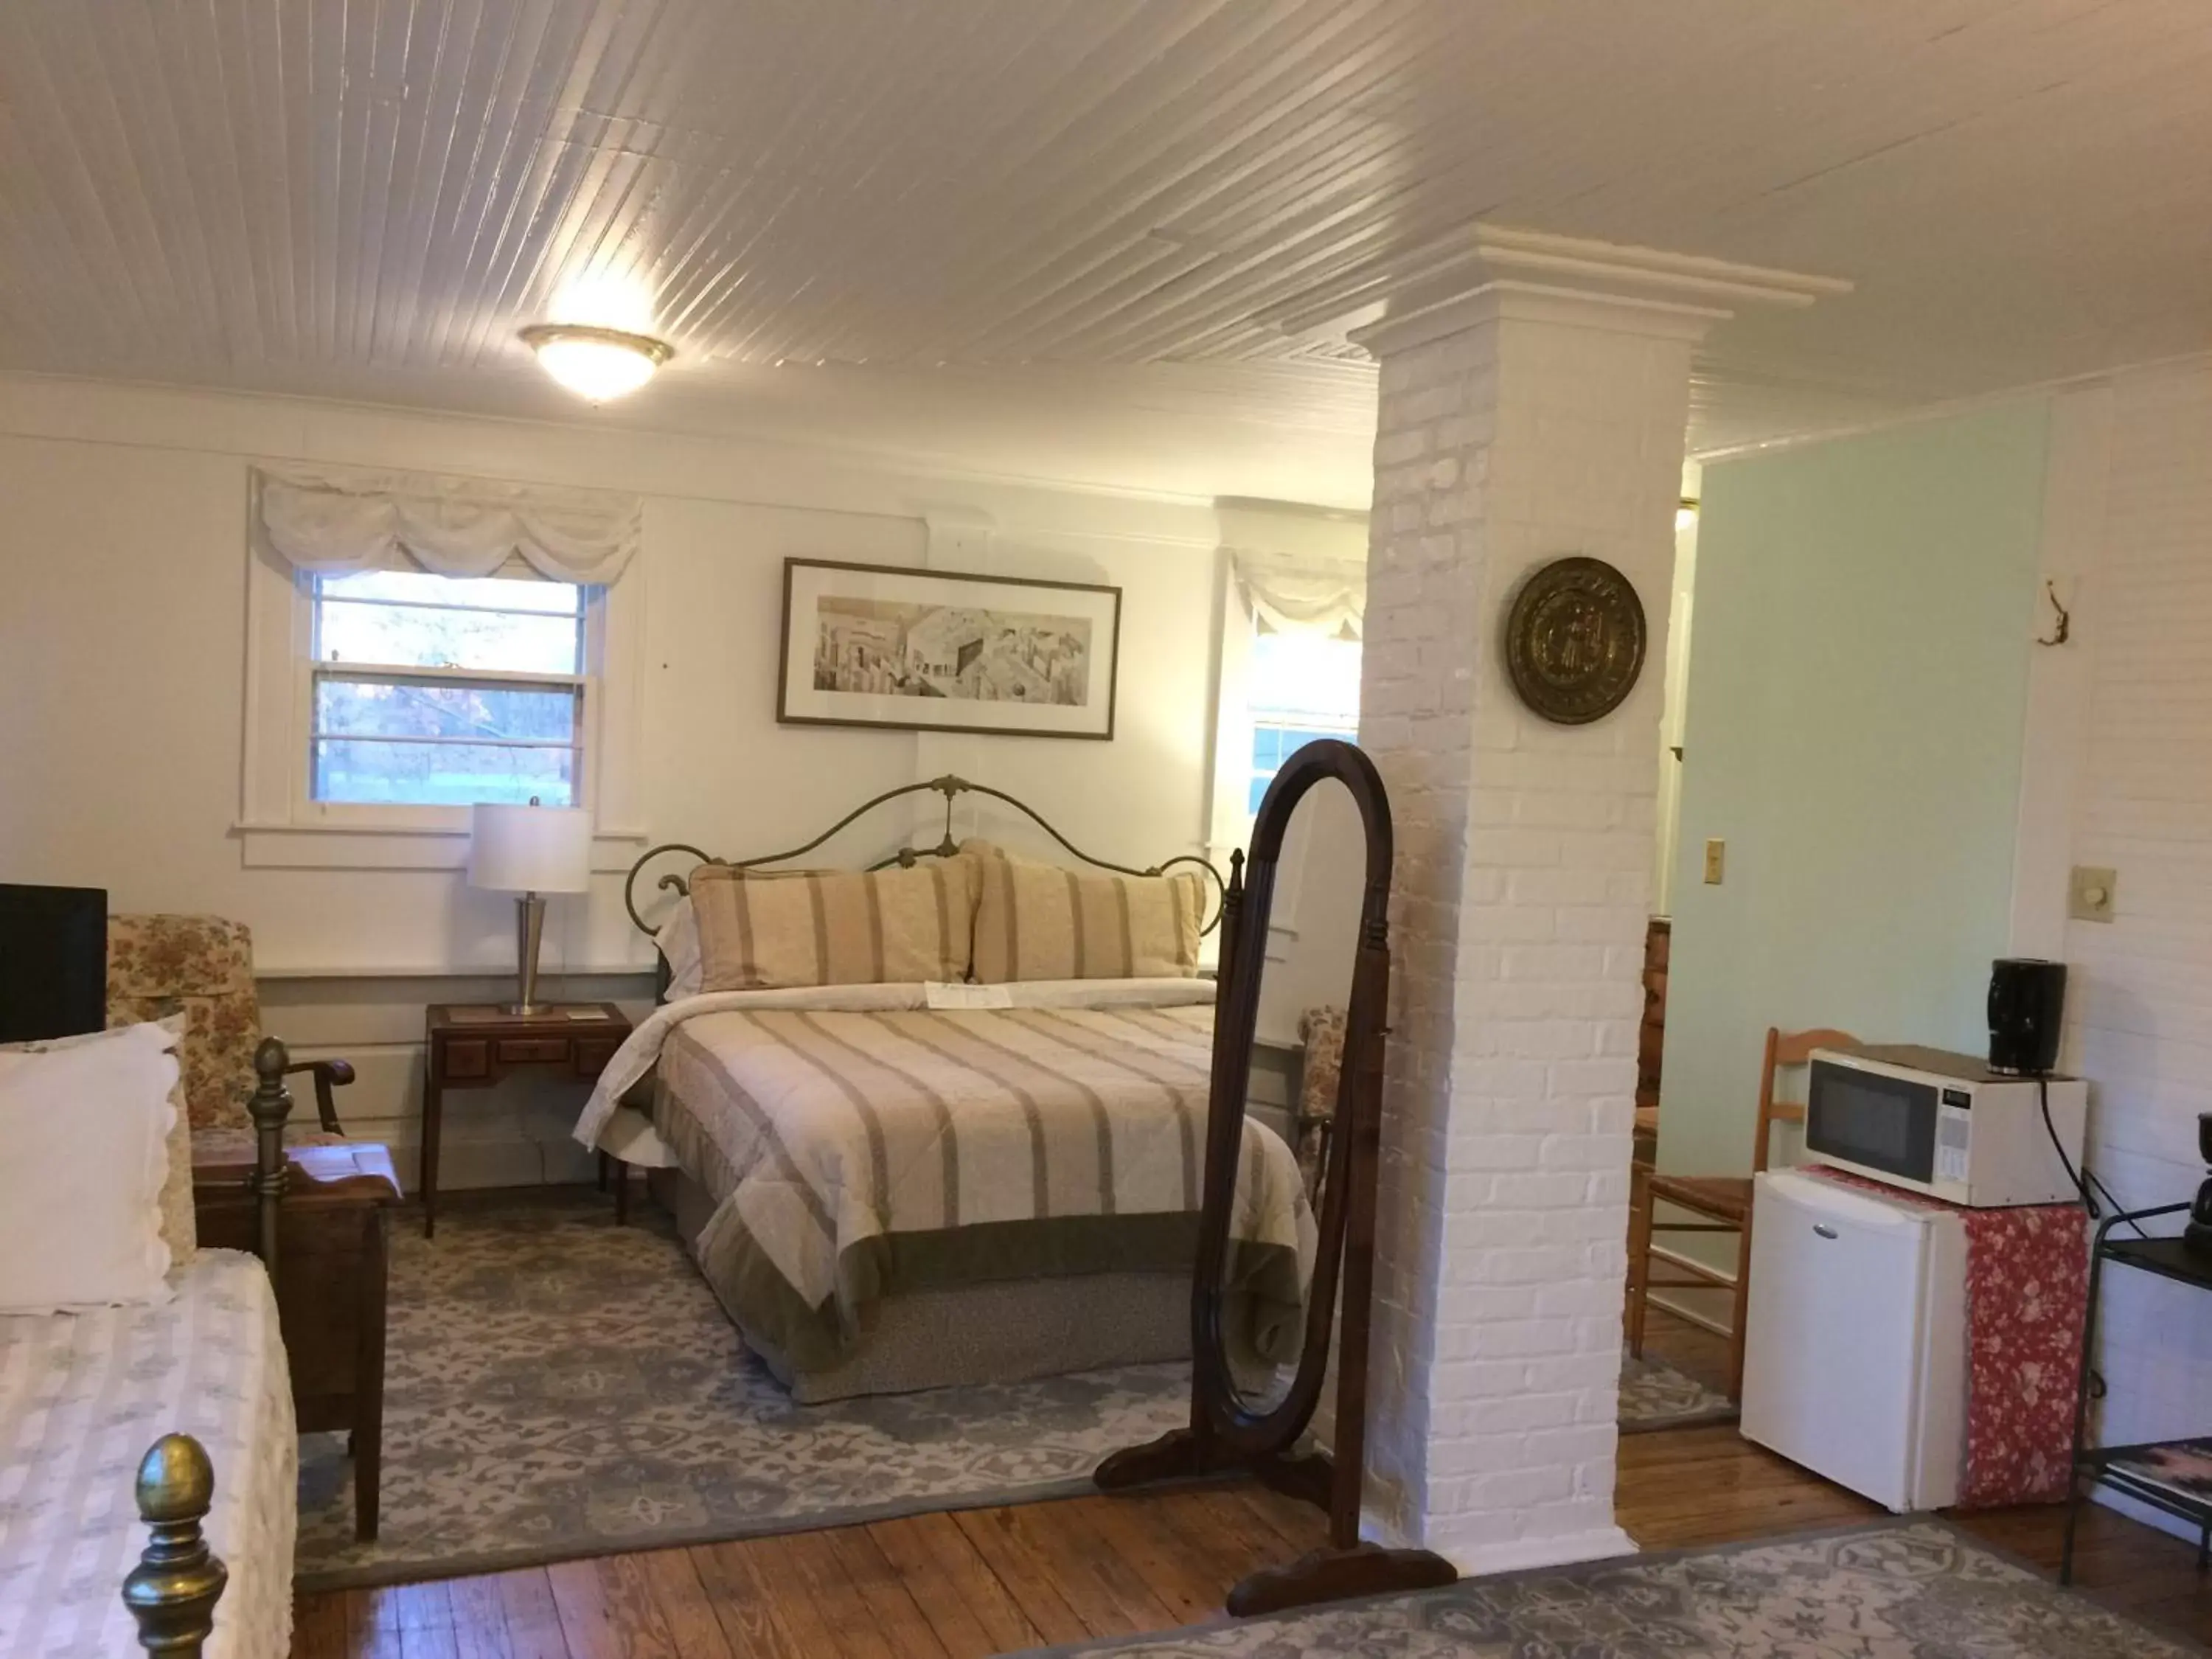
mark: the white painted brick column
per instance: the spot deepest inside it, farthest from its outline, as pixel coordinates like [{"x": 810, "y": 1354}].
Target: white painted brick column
[{"x": 1517, "y": 424}]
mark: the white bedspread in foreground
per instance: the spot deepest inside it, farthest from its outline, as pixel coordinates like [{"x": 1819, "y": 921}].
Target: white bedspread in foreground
[{"x": 82, "y": 1396}]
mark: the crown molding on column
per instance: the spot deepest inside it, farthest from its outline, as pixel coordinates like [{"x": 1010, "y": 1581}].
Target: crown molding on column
[
  {"x": 1489, "y": 271},
  {"x": 1528, "y": 302}
]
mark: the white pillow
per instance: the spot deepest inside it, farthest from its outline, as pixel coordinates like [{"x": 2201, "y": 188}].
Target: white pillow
[
  {"x": 679, "y": 941},
  {"x": 84, "y": 1154},
  {"x": 179, "y": 1220}
]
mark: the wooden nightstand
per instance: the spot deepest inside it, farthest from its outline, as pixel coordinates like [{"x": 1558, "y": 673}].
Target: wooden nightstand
[
  {"x": 331, "y": 1282},
  {"x": 473, "y": 1046}
]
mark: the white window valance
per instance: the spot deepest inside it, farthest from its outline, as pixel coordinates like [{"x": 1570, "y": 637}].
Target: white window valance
[
  {"x": 1300, "y": 593},
  {"x": 331, "y": 521}
]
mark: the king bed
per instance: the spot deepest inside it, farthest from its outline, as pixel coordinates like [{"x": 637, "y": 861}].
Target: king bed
[{"x": 943, "y": 1121}]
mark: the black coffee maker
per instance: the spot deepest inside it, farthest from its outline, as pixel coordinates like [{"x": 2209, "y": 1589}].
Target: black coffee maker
[
  {"x": 2199, "y": 1233},
  {"x": 2027, "y": 1007}
]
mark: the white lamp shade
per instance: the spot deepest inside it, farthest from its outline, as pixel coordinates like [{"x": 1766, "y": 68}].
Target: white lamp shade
[{"x": 530, "y": 849}]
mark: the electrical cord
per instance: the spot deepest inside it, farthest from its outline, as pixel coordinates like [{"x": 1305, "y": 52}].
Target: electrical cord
[
  {"x": 2088, "y": 1199},
  {"x": 2082, "y": 1179},
  {"x": 2136, "y": 1226}
]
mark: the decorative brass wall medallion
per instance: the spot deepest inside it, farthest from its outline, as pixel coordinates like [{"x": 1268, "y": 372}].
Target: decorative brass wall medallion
[{"x": 1574, "y": 640}]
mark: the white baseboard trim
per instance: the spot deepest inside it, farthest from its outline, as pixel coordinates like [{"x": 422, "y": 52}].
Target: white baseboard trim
[
  {"x": 1479, "y": 1559},
  {"x": 473, "y": 1164}
]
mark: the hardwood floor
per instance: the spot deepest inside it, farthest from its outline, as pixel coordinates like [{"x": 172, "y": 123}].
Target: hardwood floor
[{"x": 989, "y": 1580}]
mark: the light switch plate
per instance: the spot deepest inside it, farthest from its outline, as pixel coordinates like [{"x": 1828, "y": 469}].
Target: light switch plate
[
  {"x": 1716, "y": 861},
  {"x": 2089, "y": 893}
]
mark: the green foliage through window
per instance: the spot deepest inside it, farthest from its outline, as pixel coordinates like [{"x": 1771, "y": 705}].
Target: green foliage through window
[{"x": 440, "y": 691}]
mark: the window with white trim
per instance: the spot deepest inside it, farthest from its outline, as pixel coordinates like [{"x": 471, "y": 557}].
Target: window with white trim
[
  {"x": 416, "y": 643},
  {"x": 1298, "y": 687},
  {"x": 432, "y": 690},
  {"x": 1293, "y": 587}
]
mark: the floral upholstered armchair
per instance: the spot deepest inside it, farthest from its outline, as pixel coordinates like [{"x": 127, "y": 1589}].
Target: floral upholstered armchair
[
  {"x": 1322, "y": 1029},
  {"x": 202, "y": 966}
]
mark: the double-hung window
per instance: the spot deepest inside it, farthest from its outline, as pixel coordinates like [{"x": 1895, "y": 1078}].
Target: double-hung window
[
  {"x": 431, "y": 691},
  {"x": 1293, "y": 589},
  {"x": 1289, "y": 672},
  {"x": 418, "y": 643},
  {"x": 1298, "y": 687}
]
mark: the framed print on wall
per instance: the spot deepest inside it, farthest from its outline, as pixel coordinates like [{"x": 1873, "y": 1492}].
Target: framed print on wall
[{"x": 938, "y": 651}]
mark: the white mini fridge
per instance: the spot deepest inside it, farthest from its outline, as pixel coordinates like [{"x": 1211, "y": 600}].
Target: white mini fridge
[{"x": 1854, "y": 1361}]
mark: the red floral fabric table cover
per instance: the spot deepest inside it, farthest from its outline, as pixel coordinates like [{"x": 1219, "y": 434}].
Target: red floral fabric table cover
[{"x": 2028, "y": 1287}]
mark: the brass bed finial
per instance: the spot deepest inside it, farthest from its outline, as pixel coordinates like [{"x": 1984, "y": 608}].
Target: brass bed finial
[
  {"x": 173, "y": 1590},
  {"x": 271, "y": 1105}
]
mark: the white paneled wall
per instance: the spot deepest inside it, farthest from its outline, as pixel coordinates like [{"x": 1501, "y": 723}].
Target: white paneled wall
[
  {"x": 2132, "y": 471},
  {"x": 123, "y": 552}
]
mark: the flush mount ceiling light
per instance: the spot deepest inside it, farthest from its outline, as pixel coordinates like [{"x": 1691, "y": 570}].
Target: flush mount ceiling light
[{"x": 593, "y": 362}]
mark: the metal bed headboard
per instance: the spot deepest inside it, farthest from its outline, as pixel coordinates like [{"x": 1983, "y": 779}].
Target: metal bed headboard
[{"x": 951, "y": 788}]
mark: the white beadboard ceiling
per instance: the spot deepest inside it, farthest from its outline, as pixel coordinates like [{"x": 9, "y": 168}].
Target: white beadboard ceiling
[{"x": 1049, "y": 237}]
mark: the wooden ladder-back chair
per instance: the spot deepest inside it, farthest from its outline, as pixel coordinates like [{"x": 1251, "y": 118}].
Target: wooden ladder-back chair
[{"x": 1722, "y": 1202}]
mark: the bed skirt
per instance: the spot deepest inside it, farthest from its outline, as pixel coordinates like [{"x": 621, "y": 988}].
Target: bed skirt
[{"x": 1005, "y": 1331}]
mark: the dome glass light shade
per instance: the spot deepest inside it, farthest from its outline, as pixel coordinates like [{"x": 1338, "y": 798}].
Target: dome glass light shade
[{"x": 596, "y": 363}]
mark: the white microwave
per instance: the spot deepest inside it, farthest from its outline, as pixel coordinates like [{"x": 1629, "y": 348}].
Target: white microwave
[{"x": 1945, "y": 1124}]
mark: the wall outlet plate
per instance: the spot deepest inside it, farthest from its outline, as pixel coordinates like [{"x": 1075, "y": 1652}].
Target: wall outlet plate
[
  {"x": 1716, "y": 861},
  {"x": 2089, "y": 893}
]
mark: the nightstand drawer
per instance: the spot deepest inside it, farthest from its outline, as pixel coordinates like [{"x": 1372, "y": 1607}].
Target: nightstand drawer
[
  {"x": 465, "y": 1057},
  {"x": 474, "y": 1045},
  {"x": 532, "y": 1051}
]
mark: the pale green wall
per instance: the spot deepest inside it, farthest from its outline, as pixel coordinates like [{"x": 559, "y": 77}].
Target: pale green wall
[{"x": 1855, "y": 709}]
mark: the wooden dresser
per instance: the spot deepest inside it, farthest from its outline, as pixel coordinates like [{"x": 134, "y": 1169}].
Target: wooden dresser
[{"x": 331, "y": 1267}]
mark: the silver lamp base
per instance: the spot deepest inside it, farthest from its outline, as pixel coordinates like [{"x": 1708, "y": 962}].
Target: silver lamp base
[{"x": 529, "y": 932}]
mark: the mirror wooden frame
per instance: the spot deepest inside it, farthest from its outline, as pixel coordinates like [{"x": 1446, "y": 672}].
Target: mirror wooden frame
[{"x": 1227, "y": 1433}]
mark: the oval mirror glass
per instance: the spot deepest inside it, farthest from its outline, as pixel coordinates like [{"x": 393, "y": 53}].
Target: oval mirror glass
[{"x": 1301, "y": 935}]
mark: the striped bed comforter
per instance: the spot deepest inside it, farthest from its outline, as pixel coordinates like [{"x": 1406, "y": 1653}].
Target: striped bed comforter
[{"x": 858, "y": 1143}]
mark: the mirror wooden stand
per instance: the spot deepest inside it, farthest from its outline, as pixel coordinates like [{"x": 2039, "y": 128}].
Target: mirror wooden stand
[{"x": 1230, "y": 1432}]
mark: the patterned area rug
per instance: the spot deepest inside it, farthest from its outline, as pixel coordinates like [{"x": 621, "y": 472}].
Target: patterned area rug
[
  {"x": 1655, "y": 1395},
  {"x": 558, "y": 1387},
  {"x": 1896, "y": 1589}
]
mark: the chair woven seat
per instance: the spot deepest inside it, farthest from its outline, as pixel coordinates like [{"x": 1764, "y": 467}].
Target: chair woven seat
[
  {"x": 1723, "y": 1200},
  {"x": 1726, "y": 1198}
]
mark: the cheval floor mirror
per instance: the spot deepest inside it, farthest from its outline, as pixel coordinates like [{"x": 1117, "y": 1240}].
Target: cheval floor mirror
[{"x": 1258, "y": 1376}]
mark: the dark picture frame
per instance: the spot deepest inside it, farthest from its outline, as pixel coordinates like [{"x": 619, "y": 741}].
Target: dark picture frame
[{"x": 898, "y": 648}]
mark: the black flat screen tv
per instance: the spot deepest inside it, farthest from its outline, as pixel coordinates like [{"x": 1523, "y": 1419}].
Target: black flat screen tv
[{"x": 53, "y": 962}]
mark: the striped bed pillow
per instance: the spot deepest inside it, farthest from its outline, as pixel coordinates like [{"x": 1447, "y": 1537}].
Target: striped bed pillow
[
  {"x": 768, "y": 933},
  {"x": 1041, "y": 921}
]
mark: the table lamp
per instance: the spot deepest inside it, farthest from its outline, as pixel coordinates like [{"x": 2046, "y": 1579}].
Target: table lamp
[{"x": 530, "y": 851}]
